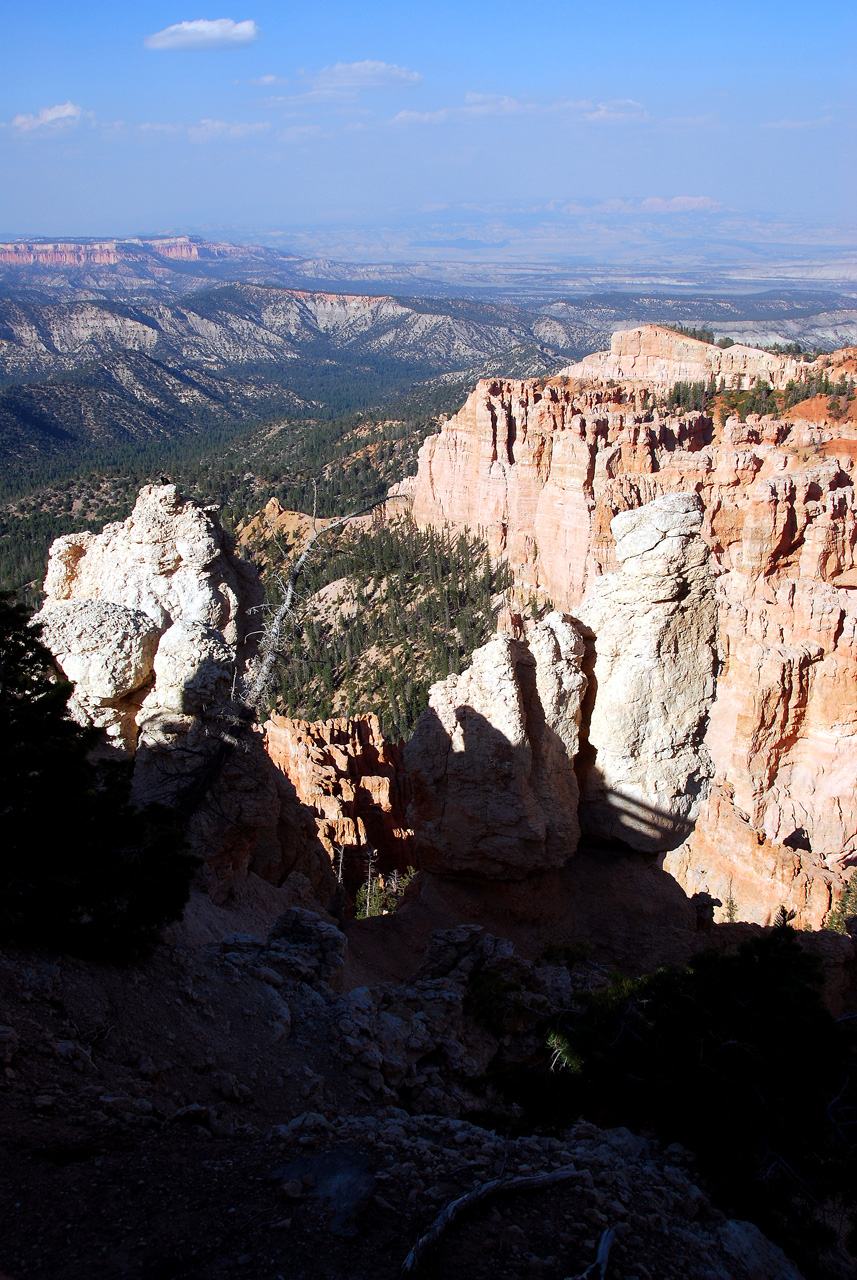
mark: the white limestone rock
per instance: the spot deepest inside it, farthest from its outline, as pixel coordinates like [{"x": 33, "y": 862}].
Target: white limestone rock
[
  {"x": 194, "y": 667},
  {"x": 170, "y": 559},
  {"x": 161, "y": 596},
  {"x": 654, "y": 627},
  {"x": 103, "y": 648},
  {"x": 107, "y": 652}
]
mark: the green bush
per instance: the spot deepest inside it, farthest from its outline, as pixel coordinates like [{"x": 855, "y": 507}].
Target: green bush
[
  {"x": 378, "y": 896},
  {"x": 81, "y": 869},
  {"x": 845, "y": 909}
]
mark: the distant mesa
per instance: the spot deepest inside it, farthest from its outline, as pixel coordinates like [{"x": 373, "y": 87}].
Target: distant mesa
[{"x": 81, "y": 253}]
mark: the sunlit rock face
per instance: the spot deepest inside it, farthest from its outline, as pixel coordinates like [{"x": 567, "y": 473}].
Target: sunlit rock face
[
  {"x": 354, "y": 781},
  {"x": 492, "y": 760},
  {"x": 148, "y": 616},
  {"x": 148, "y": 619},
  {"x": 544, "y": 467},
  {"x": 654, "y": 628}
]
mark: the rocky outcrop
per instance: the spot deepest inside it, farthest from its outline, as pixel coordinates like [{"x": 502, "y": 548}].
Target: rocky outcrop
[
  {"x": 491, "y": 761},
  {"x": 658, "y": 357},
  {"x": 654, "y": 652},
  {"x": 354, "y": 782},
  {"x": 108, "y": 653},
  {"x": 543, "y": 468},
  {"x": 149, "y": 616},
  {"x": 149, "y": 620}
]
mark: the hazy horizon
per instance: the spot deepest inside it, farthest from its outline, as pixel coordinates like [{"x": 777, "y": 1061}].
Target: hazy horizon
[{"x": 564, "y": 133}]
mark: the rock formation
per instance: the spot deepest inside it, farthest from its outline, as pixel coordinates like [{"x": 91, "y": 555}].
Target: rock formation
[
  {"x": 156, "y": 604},
  {"x": 491, "y": 761},
  {"x": 354, "y": 781},
  {"x": 149, "y": 619},
  {"x": 654, "y": 625},
  {"x": 542, "y": 468},
  {"x": 659, "y": 357}
]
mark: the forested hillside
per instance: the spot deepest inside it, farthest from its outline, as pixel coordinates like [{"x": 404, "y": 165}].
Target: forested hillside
[
  {"x": 94, "y": 385},
  {"x": 346, "y": 460},
  {"x": 384, "y": 613}
]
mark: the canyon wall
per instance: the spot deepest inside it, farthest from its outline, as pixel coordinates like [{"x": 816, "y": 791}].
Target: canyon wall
[{"x": 542, "y": 469}]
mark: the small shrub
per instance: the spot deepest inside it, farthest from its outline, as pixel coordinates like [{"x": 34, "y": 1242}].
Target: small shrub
[
  {"x": 378, "y": 896},
  {"x": 845, "y": 909}
]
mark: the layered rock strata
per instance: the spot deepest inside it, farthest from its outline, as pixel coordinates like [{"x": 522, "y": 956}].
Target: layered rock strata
[
  {"x": 354, "y": 782},
  {"x": 491, "y": 761},
  {"x": 542, "y": 469}
]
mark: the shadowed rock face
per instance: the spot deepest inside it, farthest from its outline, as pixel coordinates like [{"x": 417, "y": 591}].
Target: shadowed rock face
[
  {"x": 654, "y": 653},
  {"x": 491, "y": 761}
]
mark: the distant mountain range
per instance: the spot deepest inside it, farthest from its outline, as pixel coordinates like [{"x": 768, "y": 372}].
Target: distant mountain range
[
  {"x": 170, "y": 267},
  {"x": 106, "y": 344},
  {"x": 84, "y": 374}
]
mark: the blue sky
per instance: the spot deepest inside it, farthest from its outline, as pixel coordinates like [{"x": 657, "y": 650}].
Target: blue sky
[{"x": 728, "y": 122}]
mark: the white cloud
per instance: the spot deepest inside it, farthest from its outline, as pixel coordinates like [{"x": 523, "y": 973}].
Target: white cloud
[
  {"x": 204, "y": 33},
  {"x": 798, "y": 124},
  {"x": 299, "y": 132},
  {"x": 352, "y": 76},
  {"x": 209, "y": 130},
  {"x": 343, "y": 81},
  {"x": 475, "y": 105},
  {"x": 58, "y": 117},
  {"x": 624, "y": 110}
]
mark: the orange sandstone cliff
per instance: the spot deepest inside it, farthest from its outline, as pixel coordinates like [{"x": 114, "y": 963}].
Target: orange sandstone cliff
[{"x": 543, "y": 467}]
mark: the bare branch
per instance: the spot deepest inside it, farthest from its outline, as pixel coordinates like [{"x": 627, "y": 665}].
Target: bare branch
[
  {"x": 485, "y": 1191},
  {"x": 269, "y": 649}
]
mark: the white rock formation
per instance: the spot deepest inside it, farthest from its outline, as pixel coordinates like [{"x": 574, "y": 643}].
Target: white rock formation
[
  {"x": 107, "y": 652},
  {"x": 151, "y": 611},
  {"x": 659, "y": 357},
  {"x": 655, "y": 625},
  {"x": 491, "y": 761}
]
